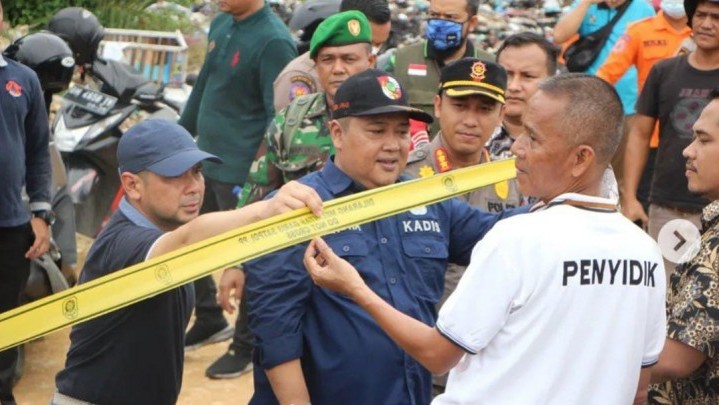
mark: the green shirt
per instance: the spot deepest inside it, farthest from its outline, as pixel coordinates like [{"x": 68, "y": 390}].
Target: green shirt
[{"x": 232, "y": 101}]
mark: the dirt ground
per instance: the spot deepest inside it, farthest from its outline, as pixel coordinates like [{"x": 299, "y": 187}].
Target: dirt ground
[{"x": 46, "y": 356}]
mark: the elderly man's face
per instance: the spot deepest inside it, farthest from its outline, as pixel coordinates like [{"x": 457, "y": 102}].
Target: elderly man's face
[
  {"x": 543, "y": 150},
  {"x": 702, "y": 168},
  {"x": 335, "y": 64},
  {"x": 372, "y": 150},
  {"x": 526, "y": 66},
  {"x": 170, "y": 202},
  {"x": 467, "y": 122}
]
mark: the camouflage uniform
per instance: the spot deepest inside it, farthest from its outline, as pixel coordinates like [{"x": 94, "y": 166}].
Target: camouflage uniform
[{"x": 283, "y": 157}]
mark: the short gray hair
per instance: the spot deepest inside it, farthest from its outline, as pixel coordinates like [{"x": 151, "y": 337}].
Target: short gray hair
[{"x": 593, "y": 115}]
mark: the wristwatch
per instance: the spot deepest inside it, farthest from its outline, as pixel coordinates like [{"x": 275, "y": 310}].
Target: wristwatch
[{"x": 46, "y": 215}]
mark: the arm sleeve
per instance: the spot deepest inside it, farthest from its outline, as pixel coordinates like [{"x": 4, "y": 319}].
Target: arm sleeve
[
  {"x": 657, "y": 318},
  {"x": 274, "y": 57},
  {"x": 481, "y": 304},
  {"x": 188, "y": 118},
  {"x": 647, "y": 103},
  {"x": 694, "y": 310},
  {"x": 38, "y": 175},
  {"x": 290, "y": 85},
  {"x": 622, "y": 57},
  {"x": 277, "y": 290},
  {"x": 264, "y": 176}
]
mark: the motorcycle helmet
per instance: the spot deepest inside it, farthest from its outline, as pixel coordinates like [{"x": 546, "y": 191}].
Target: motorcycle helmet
[
  {"x": 307, "y": 16},
  {"x": 81, "y": 30},
  {"x": 48, "y": 55}
]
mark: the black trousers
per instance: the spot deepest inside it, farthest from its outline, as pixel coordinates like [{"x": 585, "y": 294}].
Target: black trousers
[
  {"x": 14, "y": 271},
  {"x": 219, "y": 197}
]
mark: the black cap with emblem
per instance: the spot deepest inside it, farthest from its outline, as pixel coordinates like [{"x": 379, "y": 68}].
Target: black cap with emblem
[
  {"x": 374, "y": 92},
  {"x": 472, "y": 76}
]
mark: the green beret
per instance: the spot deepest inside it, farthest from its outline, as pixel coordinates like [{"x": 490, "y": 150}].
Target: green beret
[{"x": 349, "y": 27}]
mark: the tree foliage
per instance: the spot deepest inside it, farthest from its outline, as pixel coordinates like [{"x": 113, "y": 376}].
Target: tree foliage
[{"x": 111, "y": 13}]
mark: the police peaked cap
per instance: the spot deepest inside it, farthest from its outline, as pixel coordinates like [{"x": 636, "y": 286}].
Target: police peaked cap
[{"x": 472, "y": 76}]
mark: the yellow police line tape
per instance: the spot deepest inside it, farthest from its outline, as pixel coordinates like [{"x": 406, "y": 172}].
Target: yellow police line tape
[{"x": 147, "y": 279}]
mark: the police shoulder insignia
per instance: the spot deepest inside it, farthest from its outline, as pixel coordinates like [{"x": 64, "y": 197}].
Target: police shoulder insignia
[
  {"x": 354, "y": 27},
  {"x": 441, "y": 158},
  {"x": 301, "y": 85},
  {"x": 426, "y": 171},
  {"x": 502, "y": 189},
  {"x": 479, "y": 71}
]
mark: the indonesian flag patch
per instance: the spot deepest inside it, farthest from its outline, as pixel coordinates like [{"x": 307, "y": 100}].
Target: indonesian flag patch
[{"x": 416, "y": 69}]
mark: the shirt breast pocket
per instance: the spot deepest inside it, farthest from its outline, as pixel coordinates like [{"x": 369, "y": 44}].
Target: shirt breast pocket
[
  {"x": 347, "y": 244},
  {"x": 352, "y": 247},
  {"x": 427, "y": 258},
  {"x": 655, "y": 53}
]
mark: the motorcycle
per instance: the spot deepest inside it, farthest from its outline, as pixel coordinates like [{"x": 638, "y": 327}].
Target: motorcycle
[{"x": 88, "y": 127}]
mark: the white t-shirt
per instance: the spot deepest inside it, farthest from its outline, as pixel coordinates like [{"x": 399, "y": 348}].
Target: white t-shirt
[{"x": 560, "y": 306}]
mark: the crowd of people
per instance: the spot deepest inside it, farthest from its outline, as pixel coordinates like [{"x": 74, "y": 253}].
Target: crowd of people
[{"x": 547, "y": 288}]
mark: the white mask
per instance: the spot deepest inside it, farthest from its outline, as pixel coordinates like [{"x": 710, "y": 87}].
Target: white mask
[{"x": 673, "y": 8}]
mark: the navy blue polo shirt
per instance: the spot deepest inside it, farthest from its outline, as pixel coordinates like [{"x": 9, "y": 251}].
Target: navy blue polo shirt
[
  {"x": 24, "y": 137},
  {"x": 133, "y": 355},
  {"x": 345, "y": 356}
]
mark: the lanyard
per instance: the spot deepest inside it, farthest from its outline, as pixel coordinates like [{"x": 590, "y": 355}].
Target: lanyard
[{"x": 592, "y": 205}]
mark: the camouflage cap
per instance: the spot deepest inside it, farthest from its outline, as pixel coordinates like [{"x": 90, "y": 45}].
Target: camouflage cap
[{"x": 346, "y": 28}]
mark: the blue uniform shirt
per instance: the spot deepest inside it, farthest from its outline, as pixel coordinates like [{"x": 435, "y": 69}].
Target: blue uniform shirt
[
  {"x": 595, "y": 19},
  {"x": 24, "y": 135},
  {"x": 346, "y": 357}
]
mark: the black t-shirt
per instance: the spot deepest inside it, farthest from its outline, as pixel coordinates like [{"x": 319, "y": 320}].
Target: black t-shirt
[
  {"x": 675, "y": 93},
  {"x": 133, "y": 355}
]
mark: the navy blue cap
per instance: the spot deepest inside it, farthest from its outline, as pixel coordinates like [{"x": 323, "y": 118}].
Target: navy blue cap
[{"x": 162, "y": 147}]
